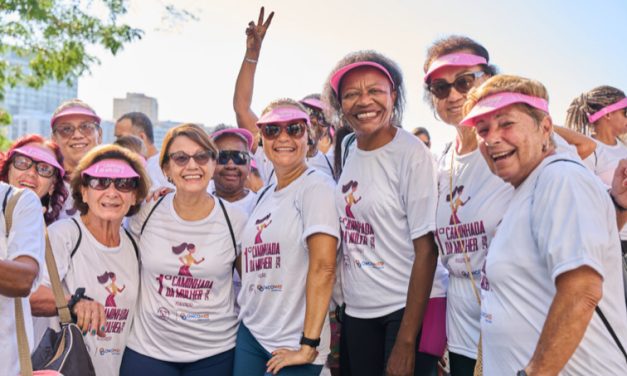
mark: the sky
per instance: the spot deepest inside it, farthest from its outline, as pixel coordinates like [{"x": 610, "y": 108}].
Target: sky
[{"x": 191, "y": 66}]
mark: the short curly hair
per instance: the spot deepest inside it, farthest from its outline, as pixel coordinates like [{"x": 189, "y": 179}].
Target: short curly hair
[{"x": 103, "y": 152}]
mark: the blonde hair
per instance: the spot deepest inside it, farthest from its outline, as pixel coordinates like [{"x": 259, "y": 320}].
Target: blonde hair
[
  {"x": 283, "y": 102},
  {"x": 192, "y": 131},
  {"x": 587, "y": 104},
  {"x": 72, "y": 103}
]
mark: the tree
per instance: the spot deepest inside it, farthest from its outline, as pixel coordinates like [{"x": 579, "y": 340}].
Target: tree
[{"x": 54, "y": 36}]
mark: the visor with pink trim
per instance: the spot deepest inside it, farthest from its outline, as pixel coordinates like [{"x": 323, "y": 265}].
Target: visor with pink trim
[
  {"x": 39, "y": 155},
  {"x": 283, "y": 114},
  {"x": 454, "y": 60},
  {"x": 313, "y": 102},
  {"x": 241, "y": 132},
  {"x": 75, "y": 110},
  {"x": 337, "y": 76},
  {"x": 606, "y": 110},
  {"x": 495, "y": 102},
  {"x": 110, "y": 168}
]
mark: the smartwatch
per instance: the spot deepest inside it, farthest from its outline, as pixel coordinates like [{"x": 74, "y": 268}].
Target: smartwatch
[
  {"x": 309, "y": 342},
  {"x": 521, "y": 373}
]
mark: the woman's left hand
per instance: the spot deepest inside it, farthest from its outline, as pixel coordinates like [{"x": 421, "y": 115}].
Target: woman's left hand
[
  {"x": 402, "y": 359},
  {"x": 286, "y": 357}
]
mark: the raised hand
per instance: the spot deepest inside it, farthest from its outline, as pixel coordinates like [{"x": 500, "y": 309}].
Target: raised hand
[{"x": 256, "y": 32}]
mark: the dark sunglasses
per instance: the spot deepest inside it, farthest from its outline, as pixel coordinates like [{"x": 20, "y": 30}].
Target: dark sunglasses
[
  {"x": 240, "y": 158},
  {"x": 121, "y": 184},
  {"x": 181, "y": 158},
  {"x": 441, "y": 89},
  {"x": 22, "y": 162},
  {"x": 272, "y": 131},
  {"x": 67, "y": 130}
]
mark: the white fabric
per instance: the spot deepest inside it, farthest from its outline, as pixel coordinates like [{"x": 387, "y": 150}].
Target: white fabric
[
  {"x": 183, "y": 318},
  {"x": 157, "y": 177},
  {"x": 275, "y": 260},
  {"x": 68, "y": 210},
  {"x": 321, "y": 163},
  {"x": 245, "y": 204},
  {"x": 479, "y": 198},
  {"x": 92, "y": 260},
  {"x": 560, "y": 218},
  {"x": 25, "y": 239},
  {"x": 393, "y": 204},
  {"x": 266, "y": 169}
]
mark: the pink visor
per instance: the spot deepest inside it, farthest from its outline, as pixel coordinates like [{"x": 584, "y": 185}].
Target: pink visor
[
  {"x": 313, "y": 102},
  {"x": 74, "y": 110},
  {"x": 38, "y": 154},
  {"x": 238, "y": 132},
  {"x": 454, "y": 60},
  {"x": 337, "y": 76},
  {"x": 497, "y": 101},
  {"x": 110, "y": 168},
  {"x": 283, "y": 114},
  {"x": 606, "y": 110}
]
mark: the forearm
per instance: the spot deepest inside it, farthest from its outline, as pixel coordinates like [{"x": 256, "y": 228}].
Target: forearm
[
  {"x": 420, "y": 283},
  {"x": 585, "y": 145},
  {"x": 318, "y": 295},
  {"x": 17, "y": 276},
  {"x": 42, "y": 302},
  {"x": 243, "y": 96}
]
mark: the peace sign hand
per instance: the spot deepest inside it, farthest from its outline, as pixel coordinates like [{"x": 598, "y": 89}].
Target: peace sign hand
[{"x": 256, "y": 32}]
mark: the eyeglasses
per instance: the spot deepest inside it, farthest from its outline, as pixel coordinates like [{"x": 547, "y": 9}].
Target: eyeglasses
[
  {"x": 240, "y": 158},
  {"x": 272, "y": 131},
  {"x": 23, "y": 163},
  {"x": 67, "y": 130},
  {"x": 318, "y": 117},
  {"x": 441, "y": 89},
  {"x": 181, "y": 158},
  {"x": 121, "y": 184}
]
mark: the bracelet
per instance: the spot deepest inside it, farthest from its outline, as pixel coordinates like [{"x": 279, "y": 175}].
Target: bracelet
[
  {"x": 309, "y": 342},
  {"x": 252, "y": 61},
  {"x": 616, "y": 204}
]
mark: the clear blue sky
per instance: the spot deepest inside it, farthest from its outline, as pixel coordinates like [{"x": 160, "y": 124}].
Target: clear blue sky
[{"x": 570, "y": 46}]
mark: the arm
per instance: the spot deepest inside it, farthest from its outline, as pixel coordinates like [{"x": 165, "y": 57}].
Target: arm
[
  {"x": 402, "y": 357},
  {"x": 578, "y": 293},
  {"x": 619, "y": 192},
  {"x": 320, "y": 279},
  {"x": 584, "y": 144},
  {"x": 17, "y": 276},
  {"x": 244, "y": 86}
]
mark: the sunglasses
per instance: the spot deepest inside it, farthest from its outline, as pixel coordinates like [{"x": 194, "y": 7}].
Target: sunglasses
[
  {"x": 240, "y": 158},
  {"x": 181, "y": 158},
  {"x": 272, "y": 131},
  {"x": 318, "y": 117},
  {"x": 23, "y": 163},
  {"x": 67, "y": 130},
  {"x": 121, "y": 184},
  {"x": 441, "y": 89}
]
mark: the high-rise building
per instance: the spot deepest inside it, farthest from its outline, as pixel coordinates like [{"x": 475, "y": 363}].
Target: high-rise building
[{"x": 136, "y": 102}]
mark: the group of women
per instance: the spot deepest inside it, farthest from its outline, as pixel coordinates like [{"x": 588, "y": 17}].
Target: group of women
[{"x": 506, "y": 251}]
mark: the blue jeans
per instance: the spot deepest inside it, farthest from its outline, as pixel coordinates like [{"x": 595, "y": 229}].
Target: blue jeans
[
  {"x": 136, "y": 364},
  {"x": 251, "y": 358}
]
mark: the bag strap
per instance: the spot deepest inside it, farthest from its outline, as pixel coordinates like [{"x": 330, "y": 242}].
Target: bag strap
[
  {"x": 6, "y": 197},
  {"x": 270, "y": 177},
  {"x": 59, "y": 298},
  {"x": 228, "y": 222},
  {"x": 150, "y": 214},
  {"x": 328, "y": 163},
  {"x": 80, "y": 237},
  {"x": 263, "y": 193},
  {"x": 135, "y": 247},
  {"x": 611, "y": 330},
  {"x": 350, "y": 139}
]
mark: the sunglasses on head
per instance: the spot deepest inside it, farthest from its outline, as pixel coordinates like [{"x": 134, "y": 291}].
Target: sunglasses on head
[
  {"x": 441, "y": 89},
  {"x": 181, "y": 158},
  {"x": 23, "y": 163},
  {"x": 67, "y": 130},
  {"x": 240, "y": 158},
  {"x": 121, "y": 184},
  {"x": 294, "y": 130}
]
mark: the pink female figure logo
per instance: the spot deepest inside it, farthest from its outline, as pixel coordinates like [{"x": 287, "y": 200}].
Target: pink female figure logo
[
  {"x": 187, "y": 260},
  {"x": 112, "y": 288},
  {"x": 456, "y": 202},
  {"x": 350, "y": 197},
  {"x": 262, "y": 225}
]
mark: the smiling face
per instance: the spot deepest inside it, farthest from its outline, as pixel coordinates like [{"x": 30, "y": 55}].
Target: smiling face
[
  {"x": 29, "y": 178},
  {"x": 76, "y": 145},
  {"x": 286, "y": 152},
  {"x": 513, "y": 143},
  {"x": 192, "y": 177},
  {"x": 367, "y": 100},
  {"x": 230, "y": 178},
  {"x": 109, "y": 204}
]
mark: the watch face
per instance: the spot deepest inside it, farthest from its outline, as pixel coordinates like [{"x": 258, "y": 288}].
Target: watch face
[{"x": 521, "y": 373}]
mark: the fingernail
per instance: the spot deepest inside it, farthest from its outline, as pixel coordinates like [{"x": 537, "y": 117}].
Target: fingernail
[
  {"x": 102, "y": 328},
  {"x": 93, "y": 332},
  {"x": 84, "y": 334}
]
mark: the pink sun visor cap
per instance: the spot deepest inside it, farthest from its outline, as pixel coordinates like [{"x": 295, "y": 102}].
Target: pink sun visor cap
[
  {"x": 110, "y": 168},
  {"x": 454, "y": 60},
  {"x": 283, "y": 114},
  {"x": 313, "y": 102},
  {"x": 238, "y": 132},
  {"x": 74, "y": 110},
  {"x": 497, "y": 101},
  {"x": 339, "y": 74},
  {"x": 38, "y": 154},
  {"x": 606, "y": 110}
]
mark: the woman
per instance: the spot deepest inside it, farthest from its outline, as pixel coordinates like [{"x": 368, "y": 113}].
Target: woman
[
  {"x": 388, "y": 247},
  {"x": 34, "y": 163},
  {"x": 108, "y": 184},
  {"x": 186, "y": 322},
  {"x": 288, "y": 263},
  {"x": 555, "y": 256}
]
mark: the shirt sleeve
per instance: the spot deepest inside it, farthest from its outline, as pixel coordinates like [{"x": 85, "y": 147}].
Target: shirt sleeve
[
  {"x": 418, "y": 189},
  {"x": 571, "y": 219},
  {"x": 135, "y": 222},
  {"x": 63, "y": 236},
  {"x": 318, "y": 208}
]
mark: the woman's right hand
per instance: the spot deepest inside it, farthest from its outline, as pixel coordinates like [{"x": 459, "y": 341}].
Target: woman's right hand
[
  {"x": 90, "y": 317},
  {"x": 159, "y": 192},
  {"x": 256, "y": 32}
]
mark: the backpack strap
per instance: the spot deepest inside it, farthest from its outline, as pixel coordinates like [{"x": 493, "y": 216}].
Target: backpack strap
[
  {"x": 80, "y": 237},
  {"x": 263, "y": 193},
  {"x": 270, "y": 177},
  {"x": 135, "y": 248},
  {"x": 350, "y": 139},
  {"x": 228, "y": 222},
  {"x": 150, "y": 214},
  {"x": 328, "y": 163},
  {"x": 6, "y": 198}
]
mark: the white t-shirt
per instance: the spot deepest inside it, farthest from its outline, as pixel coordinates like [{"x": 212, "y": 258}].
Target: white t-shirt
[
  {"x": 559, "y": 219},
  {"x": 392, "y": 201},
  {"x": 466, "y": 224},
  {"x": 25, "y": 239},
  {"x": 245, "y": 204},
  {"x": 322, "y": 163},
  {"x": 157, "y": 177},
  {"x": 186, "y": 308},
  {"x": 319, "y": 161},
  {"x": 109, "y": 276},
  {"x": 275, "y": 260},
  {"x": 68, "y": 210}
]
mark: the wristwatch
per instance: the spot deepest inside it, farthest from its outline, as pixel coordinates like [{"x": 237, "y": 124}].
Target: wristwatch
[
  {"x": 78, "y": 295},
  {"x": 309, "y": 342},
  {"x": 521, "y": 373}
]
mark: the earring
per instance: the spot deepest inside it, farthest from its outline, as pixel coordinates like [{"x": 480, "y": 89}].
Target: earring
[
  {"x": 544, "y": 147},
  {"x": 169, "y": 179}
]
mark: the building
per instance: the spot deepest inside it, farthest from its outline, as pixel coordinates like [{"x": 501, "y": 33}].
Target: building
[{"x": 136, "y": 102}]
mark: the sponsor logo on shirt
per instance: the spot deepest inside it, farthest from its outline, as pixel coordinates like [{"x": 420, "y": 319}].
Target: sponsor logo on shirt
[
  {"x": 270, "y": 287},
  {"x": 115, "y": 352},
  {"x": 487, "y": 317},
  {"x": 163, "y": 313},
  {"x": 193, "y": 316},
  {"x": 363, "y": 264}
]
